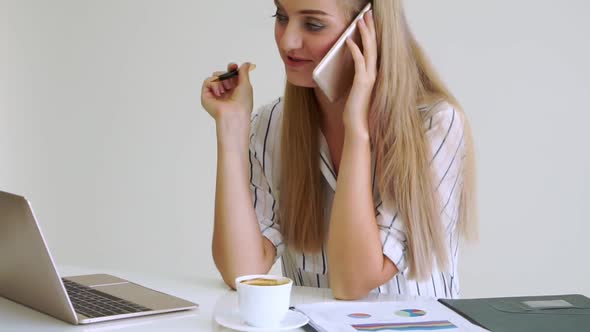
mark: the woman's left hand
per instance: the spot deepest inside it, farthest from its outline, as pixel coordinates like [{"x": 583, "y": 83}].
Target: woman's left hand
[{"x": 356, "y": 111}]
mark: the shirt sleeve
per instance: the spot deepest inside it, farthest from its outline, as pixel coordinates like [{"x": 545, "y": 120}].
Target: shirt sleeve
[
  {"x": 393, "y": 237},
  {"x": 446, "y": 135},
  {"x": 263, "y": 197},
  {"x": 444, "y": 132}
]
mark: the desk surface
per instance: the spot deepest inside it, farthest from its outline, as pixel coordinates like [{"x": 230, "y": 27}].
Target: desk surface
[{"x": 211, "y": 294}]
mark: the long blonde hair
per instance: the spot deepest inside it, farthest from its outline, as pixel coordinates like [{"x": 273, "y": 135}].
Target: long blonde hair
[{"x": 405, "y": 80}]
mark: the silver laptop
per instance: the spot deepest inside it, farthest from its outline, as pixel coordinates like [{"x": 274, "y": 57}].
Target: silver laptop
[{"x": 29, "y": 276}]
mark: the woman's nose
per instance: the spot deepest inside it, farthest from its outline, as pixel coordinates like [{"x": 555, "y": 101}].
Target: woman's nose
[{"x": 291, "y": 38}]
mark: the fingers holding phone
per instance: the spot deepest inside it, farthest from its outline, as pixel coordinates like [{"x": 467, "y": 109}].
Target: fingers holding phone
[
  {"x": 365, "y": 62},
  {"x": 369, "y": 39}
]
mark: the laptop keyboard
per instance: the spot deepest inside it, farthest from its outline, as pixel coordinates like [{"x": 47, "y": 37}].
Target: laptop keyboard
[{"x": 92, "y": 303}]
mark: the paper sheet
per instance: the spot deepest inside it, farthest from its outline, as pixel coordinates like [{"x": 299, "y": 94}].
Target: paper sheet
[{"x": 418, "y": 315}]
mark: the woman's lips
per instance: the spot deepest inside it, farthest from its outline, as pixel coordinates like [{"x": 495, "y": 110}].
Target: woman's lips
[{"x": 296, "y": 62}]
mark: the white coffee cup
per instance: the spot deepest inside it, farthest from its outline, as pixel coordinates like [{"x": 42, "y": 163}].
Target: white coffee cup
[{"x": 263, "y": 306}]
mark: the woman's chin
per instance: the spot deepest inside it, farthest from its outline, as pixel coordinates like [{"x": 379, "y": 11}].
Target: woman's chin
[{"x": 301, "y": 82}]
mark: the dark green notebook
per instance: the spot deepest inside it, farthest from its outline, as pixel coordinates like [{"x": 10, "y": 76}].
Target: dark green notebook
[{"x": 559, "y": 313}]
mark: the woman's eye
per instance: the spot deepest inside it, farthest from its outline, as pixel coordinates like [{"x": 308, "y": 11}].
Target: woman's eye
[
  {"x": 280, "y": 18},
  {"x": 314, "y": 26}
]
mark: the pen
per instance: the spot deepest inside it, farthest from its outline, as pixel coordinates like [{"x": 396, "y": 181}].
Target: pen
[{"x": 230, "y": 74}]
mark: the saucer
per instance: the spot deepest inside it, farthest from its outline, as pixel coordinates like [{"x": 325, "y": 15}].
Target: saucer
[{"x": 231, "y": 319}]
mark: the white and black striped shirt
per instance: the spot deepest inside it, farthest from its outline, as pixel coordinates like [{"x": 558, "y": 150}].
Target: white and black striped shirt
[{"x": 444, "y": 129}]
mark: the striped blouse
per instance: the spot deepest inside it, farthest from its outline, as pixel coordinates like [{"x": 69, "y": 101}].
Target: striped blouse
[{"x": 444, "y": 130}]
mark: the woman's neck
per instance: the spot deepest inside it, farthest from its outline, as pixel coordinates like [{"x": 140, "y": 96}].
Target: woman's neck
[{"x": 330, "y": 112}]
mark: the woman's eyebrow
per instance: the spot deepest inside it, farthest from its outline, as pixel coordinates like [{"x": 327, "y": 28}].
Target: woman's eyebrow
[
  {"x": 305, "y": 11},
  {"x": 313, "y": 12}
]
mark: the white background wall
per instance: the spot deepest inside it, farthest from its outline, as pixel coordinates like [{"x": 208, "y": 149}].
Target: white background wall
[{"x": 101, "y": 127}]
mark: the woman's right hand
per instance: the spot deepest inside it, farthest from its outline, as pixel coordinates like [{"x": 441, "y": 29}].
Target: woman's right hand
[{"x": 232, "y": 96}]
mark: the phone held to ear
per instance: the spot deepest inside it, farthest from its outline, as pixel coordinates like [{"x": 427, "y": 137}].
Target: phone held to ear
[{"x": 335, "y": 73}]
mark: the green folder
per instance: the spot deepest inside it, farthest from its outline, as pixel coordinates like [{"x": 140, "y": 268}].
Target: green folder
[{"x": 559, "y": 313}]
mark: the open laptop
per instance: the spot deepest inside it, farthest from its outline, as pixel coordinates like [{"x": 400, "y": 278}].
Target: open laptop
[{"x": 29, "y": 276}]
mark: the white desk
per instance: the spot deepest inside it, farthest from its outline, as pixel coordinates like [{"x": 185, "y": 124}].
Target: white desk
[{"x": 210, "y": 293}]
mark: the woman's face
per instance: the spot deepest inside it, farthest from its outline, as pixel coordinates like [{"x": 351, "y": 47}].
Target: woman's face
[{"x": 305, "y": 30}]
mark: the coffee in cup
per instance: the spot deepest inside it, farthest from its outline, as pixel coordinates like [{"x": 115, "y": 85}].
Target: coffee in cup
[{"x": 265, "y": 282}]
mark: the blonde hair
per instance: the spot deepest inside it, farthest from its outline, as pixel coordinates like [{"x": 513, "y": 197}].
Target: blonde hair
[{"x": 405, "y": 80}]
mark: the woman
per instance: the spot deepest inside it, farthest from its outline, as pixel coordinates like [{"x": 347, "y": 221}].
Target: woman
[{"x": 369, "y": 193}]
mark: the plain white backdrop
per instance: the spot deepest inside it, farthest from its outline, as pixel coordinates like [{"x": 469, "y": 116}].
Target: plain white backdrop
[{"x": 101, "y": 127}]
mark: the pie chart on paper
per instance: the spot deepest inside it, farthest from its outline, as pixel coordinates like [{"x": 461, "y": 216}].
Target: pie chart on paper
[{"x": 411, "y": 313}]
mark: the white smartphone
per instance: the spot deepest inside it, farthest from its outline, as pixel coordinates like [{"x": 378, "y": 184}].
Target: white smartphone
[{"x": 335, "y": 73}]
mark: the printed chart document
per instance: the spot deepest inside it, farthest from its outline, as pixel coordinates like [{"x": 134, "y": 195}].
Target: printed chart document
[{"x": 416, "y": 315}]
